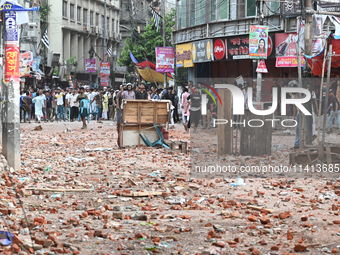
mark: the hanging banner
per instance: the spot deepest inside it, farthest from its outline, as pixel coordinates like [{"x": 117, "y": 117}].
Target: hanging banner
[
  {"x": 90, "y": 65},
  {"x": 15, "y": 7},
  {"x": 183, "y": 55},
  {"x": 104, "y": 68},
  {"x": 11, "y": 28},
  {"x": 36, "y": 63},
  {"x": 12, "y": 54},
  {"x": 26, "y": 62},
  {"x": 258, "y": 42},
  {"x": 201, "y": 51},
  {"x": 165, "y": 60},
  {"x": 104, "y": 81},
  {"x": 285, "y": 50},
  {"x": 261, "y": 67}
]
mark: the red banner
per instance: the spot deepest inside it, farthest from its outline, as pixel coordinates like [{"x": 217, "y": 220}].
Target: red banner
[
  {"x": 12, "y": 54},
  {"x": 104, "y": 68},
  {"x": 104, "y": 81}
]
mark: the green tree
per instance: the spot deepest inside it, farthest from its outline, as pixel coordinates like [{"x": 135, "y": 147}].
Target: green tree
[{"x": 145, "y": 45}]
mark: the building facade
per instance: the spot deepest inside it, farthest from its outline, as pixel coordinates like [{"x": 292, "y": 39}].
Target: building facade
[{"x": 74, "y": 26}]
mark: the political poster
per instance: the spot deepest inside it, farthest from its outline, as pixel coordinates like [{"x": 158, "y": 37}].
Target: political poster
[
  {"x": 165, "y": 60},
  {"x": 90, "y": 65},
  {"x": 258, "y": 42},
  {"x": 104, "y": 68}
]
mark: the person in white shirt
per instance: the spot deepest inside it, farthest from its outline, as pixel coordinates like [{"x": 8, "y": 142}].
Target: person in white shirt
[
  {"x": 67, "y": 103},
  {"x": 43, "y": 96},
  {"x": 93, "y": 104},
  {"x": 74, "y": 104}
]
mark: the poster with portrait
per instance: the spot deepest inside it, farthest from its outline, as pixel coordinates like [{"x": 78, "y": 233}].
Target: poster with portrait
[
  {"x": 26, "y": 62},
  {"x": 258, "y": 42}
]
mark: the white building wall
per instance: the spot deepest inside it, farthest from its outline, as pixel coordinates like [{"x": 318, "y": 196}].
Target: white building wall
[{"x": 72, "y": 38}]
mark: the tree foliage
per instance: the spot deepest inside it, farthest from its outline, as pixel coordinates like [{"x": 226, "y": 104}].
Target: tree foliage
[{"x": 145, "y": 45}]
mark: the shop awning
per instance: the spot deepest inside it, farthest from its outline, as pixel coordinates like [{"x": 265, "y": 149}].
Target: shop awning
[
  {"x": 150, "y": 75},
  {"x": 316, "y": 62}
]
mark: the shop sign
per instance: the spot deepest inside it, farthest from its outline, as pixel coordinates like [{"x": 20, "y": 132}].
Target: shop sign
[
  {"x": 201, "y": 51},
  {"x": 183, "y": 55},
  {"x": 238, "y": 47},
  {"x": 219, "y": 49}
]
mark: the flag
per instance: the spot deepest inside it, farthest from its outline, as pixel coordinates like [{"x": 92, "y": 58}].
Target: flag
[
  {"x": 45, "y": 40},
  {"x": 109, "y": 52},
  {"x": 156, "y": 18}
]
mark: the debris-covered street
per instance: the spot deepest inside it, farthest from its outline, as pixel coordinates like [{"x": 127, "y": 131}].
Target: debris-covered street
[{"x": 84, "y": 195}]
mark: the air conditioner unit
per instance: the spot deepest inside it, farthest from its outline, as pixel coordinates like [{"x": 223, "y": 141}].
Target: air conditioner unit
[
  {"x": 88, "y": 27},
  {"x": 53, "y": 59},
  {"x": 119, "y": 37},
  {"x": 107, "y": 33},
  {"x": 101, "y": 31},
  {"x": 97, "y": 30},
  {"x": 93, "y": 30}
]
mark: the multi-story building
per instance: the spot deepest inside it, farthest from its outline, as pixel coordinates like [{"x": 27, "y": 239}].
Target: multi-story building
[
  {"x": 212, "y": 38},
  {"x": 74, "y": 26}
]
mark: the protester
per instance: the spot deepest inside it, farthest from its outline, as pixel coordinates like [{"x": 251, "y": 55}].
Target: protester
[
  {"x": 185, "y": 105},
  {"x": 176, "y": 117},
  {"x": 194, "y": 100},
  {"x": 60, "y": 103},
  {"x": 80, "y": 97},
  {"x": 74, "y": 106},
  {"x": 27, "y": 106},
  {"x": 129, "y": 94},
  {"x": 39, "y": 104},
  {"x": 99, "y": 98},
  {"x": 141, "y": 93},
  {"x": 105, "y": 106},
  {"x": 48, "y": 106},
  {"x": 112, "y": 105}
]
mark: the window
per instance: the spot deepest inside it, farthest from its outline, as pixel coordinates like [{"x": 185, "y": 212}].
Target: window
[
  {"x": 251, "y": 8},
  {"x": 192, "y": 13},
  {"x": 64, "y": 9},
  {"x": 241, "y": 8},
  {"x": 275, "y": 7},
  {"x": 91, "y": 18},
  {"x": 97, "y": 19},
  {"x": 108, "y": 24},
  {"x": 85, "y": 16},
  {"x": 72, "y": 11},
  {"x": 78, "y": 13},
  {"x": 223, "y": 10},
  {"x": 213, "y": 10},
  {"x": 113, "y": 25},
  {"x": 127, "y": 7},
  {"x": 103, "y": 21},
  {"x": 200, "y": 13}
]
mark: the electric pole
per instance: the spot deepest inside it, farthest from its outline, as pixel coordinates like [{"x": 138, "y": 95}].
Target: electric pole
[
  {"x": 105, "y": 28},
  {"x": 308, "y": 120},
  {"x": 164, "y": 39},
  {"x": 259, "y": 75}
]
